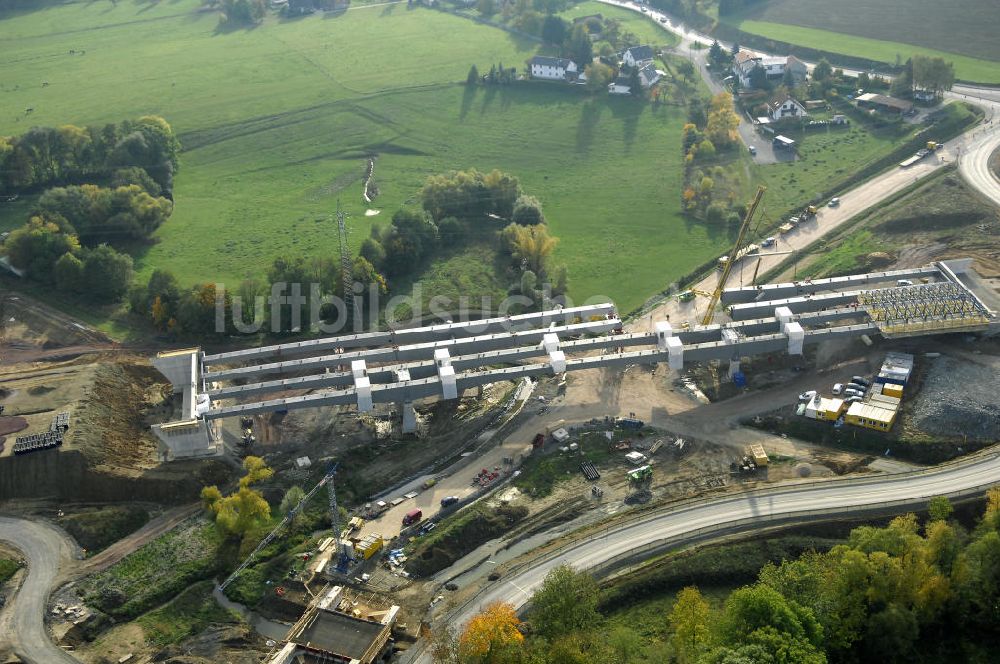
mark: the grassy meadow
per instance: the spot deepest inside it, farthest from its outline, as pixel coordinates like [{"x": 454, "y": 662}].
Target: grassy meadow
[
  {"x": 962, "y": 31},
  {"x": 634, "y": 22},
  {"x": 276, "y": 122}
]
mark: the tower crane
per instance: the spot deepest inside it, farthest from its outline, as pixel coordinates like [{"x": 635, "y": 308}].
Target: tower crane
[{"x": 728, "y": 267}]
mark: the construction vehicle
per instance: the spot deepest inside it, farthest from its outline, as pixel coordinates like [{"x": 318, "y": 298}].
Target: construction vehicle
[
  {"x": 785, "y": 228},
  {"x": 737, "y": 248},
  {"x": 412, "y": 517},
  {"x": 688, "y": 295},
  {"x": 759, "y": 455}
]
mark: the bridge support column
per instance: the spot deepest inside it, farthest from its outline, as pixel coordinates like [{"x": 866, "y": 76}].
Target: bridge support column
[
  {"x": 446, "y": 372},
  {"x": 409, "y": 417},
  {"x": 362, "y": 385},
  {"x": 663, "y": 331},
  {"x": 675, "y": 353},
  {"x": 796, "y": 336},
  {"x": 557, "y": 358}
]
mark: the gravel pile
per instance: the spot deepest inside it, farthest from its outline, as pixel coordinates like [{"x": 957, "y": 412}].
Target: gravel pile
[{"x": 959, "y": 398}]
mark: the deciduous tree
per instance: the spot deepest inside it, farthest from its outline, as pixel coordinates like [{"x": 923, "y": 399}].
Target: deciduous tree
[{"x": 492, "y": 636}]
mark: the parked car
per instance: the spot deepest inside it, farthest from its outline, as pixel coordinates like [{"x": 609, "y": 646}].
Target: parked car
[
  {"x": 838, "y": 388},
  {"x": 856, "y": 386},
  {"x": 449, "y": 500},
  {"x": 861, "y": 380},
  {"x": 903, "y": 282},
  {"x": 849, "y": 391},
  {"x": 853, "y": 399},
  {"x": 807, "y": 396},
  {"x": 752, "y": 150},
  {"x": 834, "y": 202},
  {"x": 769, "y": 242}
]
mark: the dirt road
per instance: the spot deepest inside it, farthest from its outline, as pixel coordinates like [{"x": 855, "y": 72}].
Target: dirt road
[{"x": 22, "y": 623}]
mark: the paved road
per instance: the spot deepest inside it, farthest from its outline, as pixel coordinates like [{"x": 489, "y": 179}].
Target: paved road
[
  {"x": 836, "y": 496},
  {"x": 696, "y": 44},
  {"x": 22, "y": 624}
]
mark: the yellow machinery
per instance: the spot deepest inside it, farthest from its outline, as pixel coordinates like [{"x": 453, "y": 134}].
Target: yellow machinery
[{"x": 744, "y": 228}]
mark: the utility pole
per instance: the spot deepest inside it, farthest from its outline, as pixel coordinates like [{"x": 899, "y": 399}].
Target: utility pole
[{"x": 345, "y": 260}]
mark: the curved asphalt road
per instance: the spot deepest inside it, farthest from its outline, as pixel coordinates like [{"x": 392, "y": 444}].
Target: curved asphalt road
[
  {"x": 837, "y": 496},
  {"x": 22, "y": 626}
]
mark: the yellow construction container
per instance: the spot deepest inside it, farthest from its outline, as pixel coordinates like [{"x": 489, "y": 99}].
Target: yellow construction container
[
  {"x": 829, "y": 409},
  {"x": 872, "y": 416},
  {"x": 759, "y": 455},
  {"x": 892, "y": 390},
  {"x": 369, "y": 546}
]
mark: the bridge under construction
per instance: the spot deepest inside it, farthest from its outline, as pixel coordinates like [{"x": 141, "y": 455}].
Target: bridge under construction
[{"x": 442, "y": 361}]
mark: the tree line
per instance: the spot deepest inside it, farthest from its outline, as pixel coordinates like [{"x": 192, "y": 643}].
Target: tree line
[
  {"x": 901, "y": 593},
  {"x": 52, "y": 156},
  {"x": 109, "y": 189}
]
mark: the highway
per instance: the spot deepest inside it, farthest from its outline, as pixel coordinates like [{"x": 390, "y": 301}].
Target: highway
[
  {"x": 22, "y": 623},
  {"x": 751, "y": 510}
]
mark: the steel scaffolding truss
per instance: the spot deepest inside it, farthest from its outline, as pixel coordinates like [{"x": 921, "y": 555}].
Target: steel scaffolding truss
[{"x": 923, "y": 308}]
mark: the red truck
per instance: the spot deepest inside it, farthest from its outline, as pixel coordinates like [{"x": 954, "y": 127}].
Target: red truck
[{"x": 412, "y": 517}]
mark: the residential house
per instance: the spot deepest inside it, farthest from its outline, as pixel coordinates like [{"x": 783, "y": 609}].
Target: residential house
[
  {"x": 798, "y": 69},
  {"x": 619, "y": 86},
  {"x": 637, "y": 56},
  {"x": 552, "y": 69},
  {"x": 785, "y": 107},
  {"x": 649, "y": 76},
  {"x": 774, "y": 66}
]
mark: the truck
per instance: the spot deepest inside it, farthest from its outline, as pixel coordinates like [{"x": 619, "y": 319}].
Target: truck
[{"x": 412, "y": 517}]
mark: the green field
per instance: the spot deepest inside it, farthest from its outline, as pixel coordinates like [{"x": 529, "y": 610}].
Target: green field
[
  {"x": 961, "y": 27},
  {"x": 276, "y": 122},
  {"x": 963, "y": 31},
  {"x": 634, "y": 22}
]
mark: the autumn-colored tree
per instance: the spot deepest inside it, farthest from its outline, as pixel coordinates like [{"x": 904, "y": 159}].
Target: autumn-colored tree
[
  {"x": 722, "y": 121},
  {"x": 160, "y": 314},
  {"x": 257, "y": 471},
  {"x": 492, "y": 636},
  {"x": 530, "y": 244},
  {"x": 210, "y": 497},
  {"x": 242, "y": 512},
  {"x": 689, "y": 620}
]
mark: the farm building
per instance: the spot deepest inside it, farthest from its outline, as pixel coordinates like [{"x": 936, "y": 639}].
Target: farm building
[
  {"x": 883, "y": 103},
  {"x": 552, "y": 69}
]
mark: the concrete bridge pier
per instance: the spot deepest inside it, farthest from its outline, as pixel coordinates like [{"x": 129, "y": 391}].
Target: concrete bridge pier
[{"x": 409, "y": 417}]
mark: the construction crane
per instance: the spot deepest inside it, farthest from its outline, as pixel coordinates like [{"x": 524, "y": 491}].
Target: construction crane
[
  {"x": 728, "y": 267},
  {"x": 334, "y": 517},
  {"x": 343, "y": 562}
]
